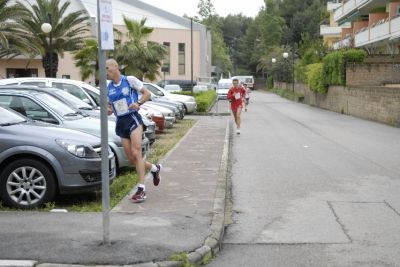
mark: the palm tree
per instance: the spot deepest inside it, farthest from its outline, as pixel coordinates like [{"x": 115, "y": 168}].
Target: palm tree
[
  {"x": 67, "y": 30},
  {"x": 13, "y": 40},
  {"x": 87, "y": 59},
  {"x": 140, "y": 58}
]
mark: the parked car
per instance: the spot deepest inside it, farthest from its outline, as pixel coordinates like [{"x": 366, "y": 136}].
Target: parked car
[
  {"x": 200, "y": 88},
  {"x": 79, "y": 89},
  {"x": 186, "y": 85},
  {"x": 69, "y": 99},
  {"x": 160, "y": 100},
  {"x": 188, "y": 101},
  {"x": 249, "y": 80},
  {"x": 168, "y": 114},
  {"x": 172, "y": 88},
  {"x": 81, "y": 107},
  {"x": 39, "y": 161},
  {"x": 43, "y": 107},
  {"x": 223, "y": 88}
]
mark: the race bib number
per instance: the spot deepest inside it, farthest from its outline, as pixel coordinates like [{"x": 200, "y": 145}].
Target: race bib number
[
  {"x": 121, "y": 106},
  {"x": 237, "y": 96}
]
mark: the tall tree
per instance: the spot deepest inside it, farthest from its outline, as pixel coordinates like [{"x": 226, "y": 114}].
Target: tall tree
[
  {"x": 139, "y": 56},
  {"x": 220, "y": 56},
  {"x": 302, "y": 16},
  {"x": 67, "y": 31},
  {"x": 13, "y": 40},
  {"x": 206, "y": 9},
  {"x": 270, "y": 27}
]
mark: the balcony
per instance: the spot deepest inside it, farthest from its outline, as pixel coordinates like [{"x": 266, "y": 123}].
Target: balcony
[
  {"x": 347, "y": 42},
  {"x": 326, "y": 30},
  {"x": 384, "y": 29},
  {"x": 345, "y": 9}
]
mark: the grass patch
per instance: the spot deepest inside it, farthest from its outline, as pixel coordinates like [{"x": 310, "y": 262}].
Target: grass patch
[{"x": 125, "y": 180}]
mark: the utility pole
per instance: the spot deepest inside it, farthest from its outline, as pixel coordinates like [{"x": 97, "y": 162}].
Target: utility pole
[{"x": 191, "y": 53}]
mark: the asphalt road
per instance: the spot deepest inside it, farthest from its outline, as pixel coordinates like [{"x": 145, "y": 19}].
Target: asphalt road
[{"x": 312, "y": 188}]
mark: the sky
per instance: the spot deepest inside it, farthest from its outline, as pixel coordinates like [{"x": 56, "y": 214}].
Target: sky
[{"x": 223, "y": 8}]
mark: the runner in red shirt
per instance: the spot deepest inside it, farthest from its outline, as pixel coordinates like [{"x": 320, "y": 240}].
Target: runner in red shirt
[{"x": 236, "y": 97}]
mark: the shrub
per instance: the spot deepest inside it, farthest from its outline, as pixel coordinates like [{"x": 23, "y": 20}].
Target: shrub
[
  {"x": 354, "y": 55},
  {"x": 334, "y": 68},
  {"x": 204, "y": 100},
  {"x": 315, "y": 78}
]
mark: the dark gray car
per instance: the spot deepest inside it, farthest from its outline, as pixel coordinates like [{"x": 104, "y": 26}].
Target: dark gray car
[{"x": 38, "y": 161}]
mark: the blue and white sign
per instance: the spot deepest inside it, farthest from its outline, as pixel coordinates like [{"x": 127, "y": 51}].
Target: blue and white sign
[{"x": 106, "y": 25}]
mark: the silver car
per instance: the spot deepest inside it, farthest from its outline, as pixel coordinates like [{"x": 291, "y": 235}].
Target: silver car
[
  {"x": 43, "y": 107},
  {"x": 38, "y": 161}
]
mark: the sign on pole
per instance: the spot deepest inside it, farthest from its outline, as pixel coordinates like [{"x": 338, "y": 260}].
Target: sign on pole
[
  {"x": 106, "y": 42},
  {"x": 106, "y": 25}
]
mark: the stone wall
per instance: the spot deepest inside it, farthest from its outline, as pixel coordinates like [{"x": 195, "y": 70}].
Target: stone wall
[
  {"x": 372, "y": 74},
  {"x": 381, "y": 104}
]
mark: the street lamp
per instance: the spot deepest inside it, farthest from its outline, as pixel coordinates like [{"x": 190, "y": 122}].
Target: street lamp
[
  {"x": 46, "y": 28},
  {"x": 285, "y": 56}
]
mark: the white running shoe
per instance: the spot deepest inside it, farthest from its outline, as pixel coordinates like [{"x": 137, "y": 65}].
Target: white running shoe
[{"x": 238, "y": 131}]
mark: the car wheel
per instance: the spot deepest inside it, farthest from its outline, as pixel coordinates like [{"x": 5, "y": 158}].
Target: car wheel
[{"x": 26, "y": 184}]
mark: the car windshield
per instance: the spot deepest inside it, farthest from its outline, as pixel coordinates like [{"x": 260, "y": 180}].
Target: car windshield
[
  {"x": 155, "y": 89},
  {"x": 8, "y": 117},
  {"x": 73, "y": 99},
  {"x": 224, "y": 85},
  {"x": 56, "y": 105}
]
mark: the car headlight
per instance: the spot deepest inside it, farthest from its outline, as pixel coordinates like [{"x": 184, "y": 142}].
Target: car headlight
[
  {"x": 77, "y": 149},
  {"x": 191, "y": 99}
]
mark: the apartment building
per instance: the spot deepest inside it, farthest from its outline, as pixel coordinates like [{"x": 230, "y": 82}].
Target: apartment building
[
  {"x": 169, "y": 29},
  {"x": 331, "y": 33},
  {"x": 375, "y": 25}
]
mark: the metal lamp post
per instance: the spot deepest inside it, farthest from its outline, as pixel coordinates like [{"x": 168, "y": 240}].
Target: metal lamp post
[
  {"x": 286, "y": 56},
  {"x": 46, "y": 28}
]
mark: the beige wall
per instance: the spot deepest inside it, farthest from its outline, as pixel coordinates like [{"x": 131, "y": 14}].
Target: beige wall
[
  {"x": 20, "y": 64},
  {"x": 175, "y": 37},
  {"x": 66, "y": 65}
]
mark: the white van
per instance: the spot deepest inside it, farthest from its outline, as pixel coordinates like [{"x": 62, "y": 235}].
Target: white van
[
  {"x": 249, "y": 80},
  {"x": 223, "y": 88}
]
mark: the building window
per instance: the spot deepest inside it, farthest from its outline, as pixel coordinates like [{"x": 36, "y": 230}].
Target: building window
[
  {"x": 16, "y": 73},
  {"x": 167, "y": 59},
  {"x": 181, "y": 59}
]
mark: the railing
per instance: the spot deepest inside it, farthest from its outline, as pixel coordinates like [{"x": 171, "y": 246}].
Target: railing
[
  {"x": 383, "y": 29},
  {"x": 347, "y": 7},
  {"x": 395, "y": 26},
  {"x": 379, "y": 31},
  {"x": 347, "y": 42},
  {"x": 361, "y": 38},
  {"x": 330, "y": 30}
]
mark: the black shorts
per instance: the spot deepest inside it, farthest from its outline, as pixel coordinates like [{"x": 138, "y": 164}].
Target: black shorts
[{"x": 126, "y": 124}]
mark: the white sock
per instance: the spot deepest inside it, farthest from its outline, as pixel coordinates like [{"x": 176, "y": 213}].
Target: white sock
[
  {"x": 142, "y": 186},
  {"x": 153, "y": 168}
]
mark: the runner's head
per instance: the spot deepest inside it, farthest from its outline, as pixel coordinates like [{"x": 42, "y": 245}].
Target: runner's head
[
  {"x": 235, "y": 82},
  {"x": 112, "y": 69}
]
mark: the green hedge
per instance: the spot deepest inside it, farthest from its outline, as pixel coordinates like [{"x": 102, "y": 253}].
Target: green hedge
[
  {"x": 334, "y": 65},
  {"x": 204, "y": 100},
  {"x": 315, "y": 78}
]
